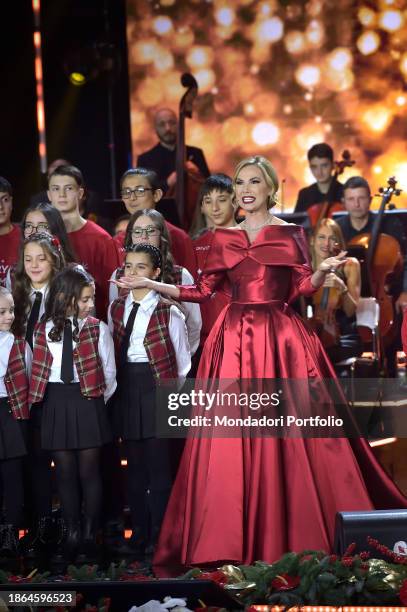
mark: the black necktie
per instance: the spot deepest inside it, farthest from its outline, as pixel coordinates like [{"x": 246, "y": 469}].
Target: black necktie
[
  {"x": 124, "y": 347},
  {"x": 33, "y": 318},
  {"x": 67, "y": 375}
]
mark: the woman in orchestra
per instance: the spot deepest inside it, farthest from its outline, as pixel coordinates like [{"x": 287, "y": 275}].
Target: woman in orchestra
[{"x": 335, "y": 303}]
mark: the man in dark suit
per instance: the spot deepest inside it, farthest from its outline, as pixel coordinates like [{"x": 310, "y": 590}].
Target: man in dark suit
[{"x": 162, "y": 157}]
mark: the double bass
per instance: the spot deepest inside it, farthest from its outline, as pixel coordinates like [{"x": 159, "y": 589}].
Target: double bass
[
  {"x": 189, "y": 180},
  {"x": 383, "y": 260},
  {"x": 320, "y": 211}
]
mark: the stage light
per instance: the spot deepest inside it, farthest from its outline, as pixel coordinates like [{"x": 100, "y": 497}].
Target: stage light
[
  {"x": 315, "y": 33},
  {"x": 162, "y": 25},
  {"x": 368, "y": 42},
  {"x": 391, "y": 21},
  {"x": 403, "y": 64},
  {"x": 270, "y": 30},
  {"x": 77, "y": 78},
  {"x": 295, "y": 42},
  {"x": 307, "y": 75},
  {"x": 199, "y": 57},
  {"x": 265, "y": 133},
  {"x": 340, "y": 58},
  {"x": 367, "y": 16},
  {"x": 377, "y": 118},
  {"x": 225, "y": 16}
]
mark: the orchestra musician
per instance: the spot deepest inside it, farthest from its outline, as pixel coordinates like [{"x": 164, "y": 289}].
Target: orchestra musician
[
  {"x": 162, "y": 157},
  {"x": 360, "y": 220},
  {"x": 335, "y": 303},
  {"x": 326, "y": 186}
]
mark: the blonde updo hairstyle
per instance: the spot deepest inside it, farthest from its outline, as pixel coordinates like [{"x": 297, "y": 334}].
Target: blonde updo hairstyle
[{"x": 268, "y": 171}]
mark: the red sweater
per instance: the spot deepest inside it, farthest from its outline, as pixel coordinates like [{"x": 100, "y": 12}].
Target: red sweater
[
  {"x": 9, "y": 250},
  {"x": 97, "y": 252},
  {"x": 181, "y": 247}
]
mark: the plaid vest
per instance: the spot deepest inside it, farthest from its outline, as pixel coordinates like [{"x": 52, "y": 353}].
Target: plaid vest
[
  {"x": 157, "y": 341},
  {"x": 85, "y": 356},
  {"x": 16, "y": 380}
]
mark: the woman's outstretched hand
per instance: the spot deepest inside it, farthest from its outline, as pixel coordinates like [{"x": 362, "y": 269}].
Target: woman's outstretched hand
[
  {"x": 332, "y": 263},
  {"x": 133, "y": 282}
]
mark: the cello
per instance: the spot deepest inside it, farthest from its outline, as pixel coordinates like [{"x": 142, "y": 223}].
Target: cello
[
  {"x": 383, "y": 260},
  {"x": 320, "y": 211},
  {"x": 189, "y": 180}
]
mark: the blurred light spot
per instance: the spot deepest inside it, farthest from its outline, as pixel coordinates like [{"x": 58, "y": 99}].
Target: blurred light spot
[
  {"x": 265, "y": 133},
  {"x": 308, "y": 96},
  {"x": 144, "y": 51},
  {"x": 163, "y": 60},
  {"x": 401, "y": 100},
  {"x": 368, "y": 42},
  {"x": 206, "y": 79},
  {"x": 199, "y": 57},
  {"x": 167, "y": 2},
  {"x": 366, "y": 16},
  {"x": 183, "y": 38},
  {"x": 318, "y": 119},
  {"x": 254, "y": 69},
  {"x": 403, "y": 64},
  {"x": 287, "y": 109},
  {"x": 340, "y": 58},
  {"x": 162, "y": 25},
  {"x": 270, "y": 30},
  {"x": 328, "y": 127},
  {"x": 248, "y": 109},
  {"x": 377, "y": 118},
  {"x": 315, "y": 33},
  {"x": 225, "y": 16},
  {"x": 377, "y": 169},
  {"x": 307, "y": 75},
  {"x": 391, "y": 21},
  {"x": 295, "y": 42}
]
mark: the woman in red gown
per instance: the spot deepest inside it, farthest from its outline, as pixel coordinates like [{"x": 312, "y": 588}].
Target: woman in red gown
[{"x": 247, "y": 498}]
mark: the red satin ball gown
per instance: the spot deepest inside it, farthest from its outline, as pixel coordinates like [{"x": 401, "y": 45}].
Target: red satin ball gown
[{"x": 244, "y": 499}]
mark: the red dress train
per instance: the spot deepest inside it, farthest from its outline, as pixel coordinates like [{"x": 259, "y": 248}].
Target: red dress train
[{"x": 243, "y": 499}]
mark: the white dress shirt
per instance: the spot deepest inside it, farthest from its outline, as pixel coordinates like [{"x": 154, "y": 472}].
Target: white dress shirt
[
  {"x": 106, "y": 354},
  {"x": 44, "y": 291},
  {"x": 177, "y": 332},
  {"x": 6, "y": 342},
  {"x": 192, "y": 311}
]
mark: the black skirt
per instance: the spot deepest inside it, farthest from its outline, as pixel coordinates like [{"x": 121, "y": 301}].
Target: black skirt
[
  {"x": 71, "y": 421},
  {"x": 134, "y": 407},
  {"x": 12, "y": 434}
]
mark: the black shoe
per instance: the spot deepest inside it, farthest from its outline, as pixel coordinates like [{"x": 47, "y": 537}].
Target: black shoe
[
  {"x": 40, "y": 539},
  {"x": 134, "y": 547},
  {"x": 68, "y": 541},
  {"x": 8, "y": 542},
  {"x": 89, "y": 550}
]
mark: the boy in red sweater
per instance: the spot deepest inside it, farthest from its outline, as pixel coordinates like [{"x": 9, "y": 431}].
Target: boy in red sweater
[{"x": 10, "y": 235}]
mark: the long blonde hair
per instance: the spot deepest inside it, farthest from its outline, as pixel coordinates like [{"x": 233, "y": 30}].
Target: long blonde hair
[
  {"x": 330, "y": 224},
  {"x": 268, "y": 171}
]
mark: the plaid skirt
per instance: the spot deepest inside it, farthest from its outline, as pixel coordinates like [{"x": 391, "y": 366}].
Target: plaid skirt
[
  {"x": 71, "y": 421},
  {"x": 12, "y": 433}
]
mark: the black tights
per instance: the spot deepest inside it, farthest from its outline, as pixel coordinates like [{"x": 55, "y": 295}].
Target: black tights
[
  {"x": 78, "y": 470},
  {"x": 149, "y": 478},
  {"x": 13, "y": 495},
  {"x": 38, "y": 467}
]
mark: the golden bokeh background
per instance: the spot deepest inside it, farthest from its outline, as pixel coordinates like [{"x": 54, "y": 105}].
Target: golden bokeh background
[{"x": 276, "y": 77}]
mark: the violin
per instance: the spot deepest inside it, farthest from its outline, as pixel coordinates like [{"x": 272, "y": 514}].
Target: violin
[
  {"x": 320, "y": 211},
  {"x": 383, "y": 260},
  {"x": 326, "y": 301},
  {"x": 189, "y": 180}
]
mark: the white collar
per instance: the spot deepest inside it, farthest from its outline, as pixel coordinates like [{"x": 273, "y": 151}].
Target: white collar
[
  {"x": 148, "y": 303},
  {"x": 43, "y": 290}
]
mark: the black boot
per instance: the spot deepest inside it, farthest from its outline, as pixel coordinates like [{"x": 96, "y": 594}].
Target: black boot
[
  {"x": 89, "y": 549},
  {"x": 133, "y": 548},
  {"x": 40, "y": 539},
  {"x": 8, "y": 542}
]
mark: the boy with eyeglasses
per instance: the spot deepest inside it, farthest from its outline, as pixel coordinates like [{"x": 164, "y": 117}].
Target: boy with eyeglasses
[
  {"x": 94, "y": 247},
  {"x": 10, "y": 237},
  {"x": 140, "y": 188}
]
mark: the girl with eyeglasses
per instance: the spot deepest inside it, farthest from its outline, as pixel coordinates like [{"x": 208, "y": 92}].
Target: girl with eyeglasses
[
  {"x": 151, "y": 347},
  {"x": 43, "y": 218},
  {"x": 148, "y": 226},
  {"x": 140, "y": 189}
]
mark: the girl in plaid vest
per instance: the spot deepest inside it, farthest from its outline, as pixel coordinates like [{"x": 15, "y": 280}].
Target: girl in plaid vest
[
  {"x": 151, "y": 346},
  {"x": 15, "y": 363},
  {"x": 74, "y": 374},
  {"x": 148, "y": 226},
  {"x": 41, "y": 258}
]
